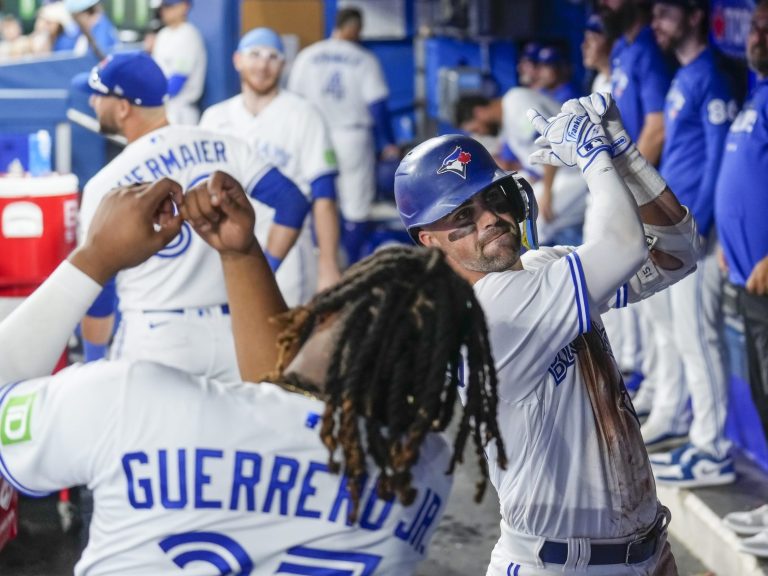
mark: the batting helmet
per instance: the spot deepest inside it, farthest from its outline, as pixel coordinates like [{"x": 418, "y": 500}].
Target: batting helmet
[{"x": 439, "y": 175}]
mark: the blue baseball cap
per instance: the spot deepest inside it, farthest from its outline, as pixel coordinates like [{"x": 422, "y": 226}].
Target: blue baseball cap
[
  {"x": 133, "y": 76},
  {"x": 261, "y": 37},
  {"x": 595, "y": 24},
  {"x": 531, "y": 51},
  {"x": 551, "y": 55}
]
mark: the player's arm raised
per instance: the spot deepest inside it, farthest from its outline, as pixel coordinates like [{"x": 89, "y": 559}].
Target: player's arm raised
[
  {"x": 669, "y": 227},
  {"x": 220, "y": 212},
  {"x": 129, "y": 226},
  {"x": 617, "y": 247}
]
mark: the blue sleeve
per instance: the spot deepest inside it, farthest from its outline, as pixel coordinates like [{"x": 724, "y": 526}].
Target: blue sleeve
[
  {"x": 506, "y": 153},
  {"x": 106, "y": 302},
  {"x": 382, "y": 125},
  {"x": 277, "y": 191},
  {"x": 654, "y": 81},
  {"x": 716, "y": 124},
  {"x": 324, "y": 187},
  {"x": 176, "y": 83}
]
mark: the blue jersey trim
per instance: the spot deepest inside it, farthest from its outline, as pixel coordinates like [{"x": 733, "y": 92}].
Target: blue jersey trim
[
  {"x": 4, "y": 472},
  {"x": 324, "y": 186},
  {"x": 106, "y": 302},
  {"x": 176, "y": 83},
  {"x": 582, "y": 297},
  {"x": 277, "y": 191},
  {"x": 198, "y": 180},
  {"x": 622, "y": 296}
]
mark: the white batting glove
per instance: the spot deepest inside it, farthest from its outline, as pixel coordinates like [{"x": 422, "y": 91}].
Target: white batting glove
[
  {"x": 641, "y": 177},
  {"x": 571, "y": 140}
]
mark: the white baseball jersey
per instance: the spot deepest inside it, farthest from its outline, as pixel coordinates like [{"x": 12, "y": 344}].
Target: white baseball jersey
[
  {"x": 342, "y": 79},
  {"x": 174, "y": 304},
  {"x": 561, "y": 480},
  {"x": 291, "y": 134},
  {"x": 235, "y": 482},
  {"x": 180, "y": 51}
]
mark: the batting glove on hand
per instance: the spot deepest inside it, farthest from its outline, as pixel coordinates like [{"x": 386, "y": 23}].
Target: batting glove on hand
[
  {"x": 641, "y": 178},
  {"x": 600, "y": 109},
  {"x": 571, "y": 140}
]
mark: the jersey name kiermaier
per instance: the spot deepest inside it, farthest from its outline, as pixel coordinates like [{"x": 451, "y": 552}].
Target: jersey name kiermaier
[
  {"x": 238, "y": 479},
  {"x": 546, "y": 416},
  {"x": 187, "y": 272},
  {"x": 342, "y": 78}
]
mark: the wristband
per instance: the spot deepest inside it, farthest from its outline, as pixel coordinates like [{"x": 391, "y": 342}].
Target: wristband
[
  {"x": 274, "y": 261},
  {"x": 93, "y": 352}
]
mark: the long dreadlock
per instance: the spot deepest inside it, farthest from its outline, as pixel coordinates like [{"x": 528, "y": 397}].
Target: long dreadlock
[{"x": 406, "y": 319}]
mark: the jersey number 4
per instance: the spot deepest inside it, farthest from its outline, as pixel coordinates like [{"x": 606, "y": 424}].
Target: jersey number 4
[
  {"x": 228, "y": 557},
  {"x": 334, "y": 86}
]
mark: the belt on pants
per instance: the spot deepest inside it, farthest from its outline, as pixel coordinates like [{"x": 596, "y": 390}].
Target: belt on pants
[
  {"x": 223, "y": 308},
  {"x": 639, "y": 549}
]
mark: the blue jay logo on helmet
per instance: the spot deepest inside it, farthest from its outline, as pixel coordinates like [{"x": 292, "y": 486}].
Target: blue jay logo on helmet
[{"x": 456, "y": 163}]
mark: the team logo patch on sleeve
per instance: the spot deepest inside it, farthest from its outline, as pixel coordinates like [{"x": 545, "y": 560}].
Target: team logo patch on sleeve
[
  {"x": 16, "y": 423},
  {"x": 456, "y": 163}
]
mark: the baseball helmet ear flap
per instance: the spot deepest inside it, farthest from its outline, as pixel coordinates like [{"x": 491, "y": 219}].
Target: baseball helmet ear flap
[{"x": 529, "y": 234}]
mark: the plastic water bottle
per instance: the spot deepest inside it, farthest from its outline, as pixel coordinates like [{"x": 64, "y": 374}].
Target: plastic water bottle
[{"x": 40, "y": 153}]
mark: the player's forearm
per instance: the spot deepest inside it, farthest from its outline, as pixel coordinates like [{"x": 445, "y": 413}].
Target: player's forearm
[
  {"x": 254, "y": 298},
  {"x": 34, "y": 336},
  {"x": 651, "y": 139},
  {"x": 281, "y": 239},
  {"x": 326, "y": 217},
  {"x": 615, "y": 247}
]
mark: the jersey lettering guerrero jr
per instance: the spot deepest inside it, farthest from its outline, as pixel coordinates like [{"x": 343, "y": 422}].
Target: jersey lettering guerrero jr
[{"x": 237, "y": 482}]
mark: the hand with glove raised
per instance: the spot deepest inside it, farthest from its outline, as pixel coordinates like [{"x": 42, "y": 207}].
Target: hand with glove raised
[
  {"x": 571, "y": 140},
  {"x": 641, "y": 177}
]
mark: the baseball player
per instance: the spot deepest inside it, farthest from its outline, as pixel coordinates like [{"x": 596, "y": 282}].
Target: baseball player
[
  {"x": 577, "y": 495},
  {"x": 253, "y": 486},
  {"x": 180, "y": 51},
  {"x": 741, "y": 210},
  {"x": 174, "y": 307},
  {"x": 291, "y": 134},
  {"x": 698, "y": 111},
  {"x": 345, "y": 82}
]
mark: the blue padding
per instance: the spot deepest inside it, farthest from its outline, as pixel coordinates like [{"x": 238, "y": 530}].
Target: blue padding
[
  {"x": 105, "y": 302},
  {"x": 176, "y": 83},
  {"x": 324, "y": 187},
  {"x": 277, "y": 191}
]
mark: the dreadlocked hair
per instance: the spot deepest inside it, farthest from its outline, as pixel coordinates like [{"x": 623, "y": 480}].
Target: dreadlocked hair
[{"x": 405, "y": 319}]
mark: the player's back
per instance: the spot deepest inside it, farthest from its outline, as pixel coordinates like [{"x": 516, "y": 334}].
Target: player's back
[
  {"x": 187, "y": 272},
  {"x": 341, "y": 78},
  {"x": 186, "y": 470}
]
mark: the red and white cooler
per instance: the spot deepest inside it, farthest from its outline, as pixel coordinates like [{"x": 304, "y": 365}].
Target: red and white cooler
[{"x": 38, "y": 229}]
